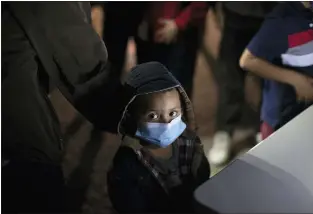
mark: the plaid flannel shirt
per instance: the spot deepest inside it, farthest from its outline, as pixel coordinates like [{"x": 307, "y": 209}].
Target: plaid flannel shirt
[{"x": 190, "y": 153}]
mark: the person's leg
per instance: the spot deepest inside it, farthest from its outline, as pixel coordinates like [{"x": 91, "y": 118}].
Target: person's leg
[
  {"x": 181, "y": 60},
  {"x": 145, "y": 51},
  {"x": 162, "y": 53},
  {"x": 252, "y": 84},
  {"x": 175, "y": 58},
  {"x": 121, "y": 21},
  {"x": 148, "y": 51},
  {"x": 230, "y": 99},
  {"x": 230, "y": 78},
  {"x": 115, "y": 38}
]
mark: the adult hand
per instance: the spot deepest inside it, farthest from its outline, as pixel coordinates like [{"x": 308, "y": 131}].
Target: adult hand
[
  {"x": 97, "y": 19},
  {"x": 304, "y": 87},
  {"x": 168, "y": 32}
]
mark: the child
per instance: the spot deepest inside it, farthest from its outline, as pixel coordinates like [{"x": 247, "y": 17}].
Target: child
[
  {"x": 282, "y": 53},
  {"x": 161, "y": 160}
]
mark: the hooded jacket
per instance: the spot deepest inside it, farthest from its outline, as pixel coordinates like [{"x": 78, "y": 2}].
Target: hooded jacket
[{"x": 135, "y": 183}]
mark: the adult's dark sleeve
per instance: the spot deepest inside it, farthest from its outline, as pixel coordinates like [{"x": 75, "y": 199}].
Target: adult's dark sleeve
[{"x": 73, "y": 55}]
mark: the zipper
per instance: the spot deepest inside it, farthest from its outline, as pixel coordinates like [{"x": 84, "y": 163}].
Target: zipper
[{"x": 56, "y": 123}]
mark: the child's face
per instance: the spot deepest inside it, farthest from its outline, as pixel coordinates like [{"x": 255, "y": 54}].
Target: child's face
[{"x": 160, "y": 107}]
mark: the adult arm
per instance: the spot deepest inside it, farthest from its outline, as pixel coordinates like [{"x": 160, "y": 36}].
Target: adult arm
[
  {"x": 194, "y": 13},
  {"x": 97, "y": 98},
  {"x": 265, "y": 69},
  {"x": 266, "y": 47},
  {"x": 97, "y": 19},
  {"x": 74, "y": 57},
  {"x": 302, "y": 84}
]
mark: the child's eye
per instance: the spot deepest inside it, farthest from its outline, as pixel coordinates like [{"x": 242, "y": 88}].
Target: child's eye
[
  {"x": 153, "y": 116},
  {"x": 174, "y": 114}
]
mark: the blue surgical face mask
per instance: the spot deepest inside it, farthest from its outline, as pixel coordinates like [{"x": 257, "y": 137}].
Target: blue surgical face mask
[{"x": 161, "y": 134}]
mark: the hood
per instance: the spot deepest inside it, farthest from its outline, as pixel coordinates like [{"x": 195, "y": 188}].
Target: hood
[
  {"x": 149, "y": 78},
  {"x": 291, "y": 9}
]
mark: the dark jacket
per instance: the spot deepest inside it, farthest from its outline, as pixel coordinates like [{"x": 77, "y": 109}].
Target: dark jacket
[
  {"x": 246, "y": 15},
  {"x": 250, "y": 9},
  {"x": 134, "y": 183},
  {"x": 44, "y": 43}
]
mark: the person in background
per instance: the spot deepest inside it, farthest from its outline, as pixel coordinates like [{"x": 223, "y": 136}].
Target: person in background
[
  {"x": 161, "y": 160},
  {"x": 122, "y": 20},
  {"x": 282, "y": 53},
  {"x": 47, "y": 45},
  {"x": 239, "y": 22},
  {"x": 169, "y": 33}
]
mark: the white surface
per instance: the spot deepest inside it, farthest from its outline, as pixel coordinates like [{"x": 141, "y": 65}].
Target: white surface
[{"x": 276, "y": 176}]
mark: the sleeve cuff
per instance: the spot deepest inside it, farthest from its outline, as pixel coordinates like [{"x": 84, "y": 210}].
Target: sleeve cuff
[{"x": 181, "y": 23}]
